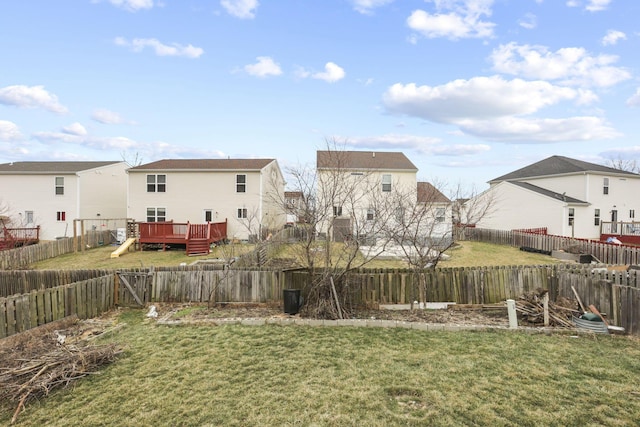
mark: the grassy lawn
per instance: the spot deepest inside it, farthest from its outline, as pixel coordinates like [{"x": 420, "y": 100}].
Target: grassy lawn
[
  {"x": 297, "y": 375},
  {"x": 467, "y": 254}
]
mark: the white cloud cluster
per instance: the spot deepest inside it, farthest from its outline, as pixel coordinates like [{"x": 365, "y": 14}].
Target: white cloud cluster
[
  {"x": 331, "y": 74},
  {"x": 31, "y": 97},
  {"x": 591, "y": 6},
  {"x": 570, "y": 66},
  {"x": 422, "y": 144},
  {"x": 265, "y": 67},
  {"x": 634, "y": 100},
  {"x": 366, "y": 6},
  {"x": 108, "y": 117},
  {"x": 612, "y": 37},
  {"x": 9, "y": 131},
  {"x": 454, "y": 19},
  {"x": 496, "y": 109},
  {"x": 132, "y": 5},
  {"x": 174, "y": 49},
  {"x": 243, "y": 9},
  {"x": 530, "y": 21}
]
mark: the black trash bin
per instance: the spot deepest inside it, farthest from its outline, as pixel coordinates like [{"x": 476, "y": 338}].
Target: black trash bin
[{"x": 292, "y": 301}]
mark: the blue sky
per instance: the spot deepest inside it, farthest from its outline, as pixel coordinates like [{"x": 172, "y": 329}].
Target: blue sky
[{"x": 468, "y": 89}]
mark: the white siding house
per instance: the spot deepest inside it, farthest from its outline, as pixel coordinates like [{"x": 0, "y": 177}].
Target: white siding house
[
  {"x": 569, "y": 197},
  {"x": 245, "y": 192},
  {"x": 352, "y": 184},
  {"x": 52, "y": 194}
]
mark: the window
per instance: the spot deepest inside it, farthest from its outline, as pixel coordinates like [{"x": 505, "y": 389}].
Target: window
[
  {"x": 386, "y": 183},
  {"x": 59, "y": 185},
  {"x": 61, "y": 216},
  {"x": 28, "y": 217},
  {"x": 605, "y": 186},
  {"x": 156, "y": 214},
  {"x": 370, "y": 214},
  {"x": 632, "y": 214},
  {"x": 241, "y": 184},
  {"x": 208, "y": 215},
  {"x": 242, "y": 213},
  {"x": 399, "y": 214},
  {"x": 337, "y": 211},
  {"x": 156, "y": 183},
  {"x": 572, "y": 215},
  {"x": 596, "y": 217},
  {"x": 440, "y": 212}
]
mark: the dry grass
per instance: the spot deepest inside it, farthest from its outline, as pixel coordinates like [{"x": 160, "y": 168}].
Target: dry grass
[
  {"x": 296, "y": 375},
  {"x": 465, "y": 254}
]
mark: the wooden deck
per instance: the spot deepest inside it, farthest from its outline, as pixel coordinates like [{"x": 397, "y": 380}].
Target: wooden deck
[
  {"x": 11, "y": 238},
  {"x": 626, "y": 232},
  {"x": 197, "y": 238}
]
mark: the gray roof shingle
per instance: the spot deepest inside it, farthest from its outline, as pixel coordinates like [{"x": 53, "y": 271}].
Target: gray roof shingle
[
  {"x": 50, "y": 167},
  {"x": 548, "y": 193},
  {"x": 558, "y": 165},
  {"x": 204, "y": 164},
  {"x": 375, "y": 160}
]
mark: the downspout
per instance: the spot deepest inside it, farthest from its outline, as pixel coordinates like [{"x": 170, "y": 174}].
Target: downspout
[
  {"x": 77, "y": 215},
  {"x": 260, "y": 201}
]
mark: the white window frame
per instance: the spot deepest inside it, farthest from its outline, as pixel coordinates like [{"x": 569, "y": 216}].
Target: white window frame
[
  {"x": 572, "y": 216},
  {"x": 371, "y": 214},
  {"x": 596, "y": 217},
  {"x": 61, "y": 216},
  {"x": 441, "y": 214},
  {"x": 241, "y": 183},
  {"x": 242, "y": 213},
  {"x": 605, "y": 186},
  {"x": 154, "y": 214},
  {"x": 59, "y": 185},
  {"x": 337, "y": 210},
  {"x": 386, "y": 183},
  {"x": 210, "y": 213},
  {"x": 157, "y": 183}
]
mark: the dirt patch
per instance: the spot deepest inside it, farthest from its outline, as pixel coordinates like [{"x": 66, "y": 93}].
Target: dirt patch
[{"x": 196, "y": 312}]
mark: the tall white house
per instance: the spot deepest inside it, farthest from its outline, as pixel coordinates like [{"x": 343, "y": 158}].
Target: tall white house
[
  {"x": 52, "y": 194},
  {"x": 567, "y": 196},
  {"x": 247, "y": 193}
]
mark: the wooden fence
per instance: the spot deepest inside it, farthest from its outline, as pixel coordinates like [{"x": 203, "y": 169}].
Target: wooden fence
[
  {"x": 86, "y": 299},
  {"x": 24, "y": 256},
  {"x": 607, "y": 253},
  {"x": 616, "y": 293}
]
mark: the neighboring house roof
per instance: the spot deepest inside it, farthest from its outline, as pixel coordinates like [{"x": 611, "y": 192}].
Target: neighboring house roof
[
  {"x": 380, "y": 160},
  {"x": 559, "y": 165},
  {"x": 293, "y": 194},
  {"x": 548, "y": 193},
  {"x": 427, "y": 193},
  {"x": 50, "y": 167},
  {"x": 204, "y": 165}
]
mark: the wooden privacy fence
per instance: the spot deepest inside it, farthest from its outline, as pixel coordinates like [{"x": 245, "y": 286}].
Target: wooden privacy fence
[
  {"x": 14, "y": 282},
  {"x": 86, "y": 299},
  {"x": 616, "y": 293},
  {"x": 606, "y": 253},
  {"x": 27, "y": 255}
]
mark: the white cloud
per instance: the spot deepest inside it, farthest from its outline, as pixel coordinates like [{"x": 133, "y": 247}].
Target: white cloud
[
  {"x": 540, "y": 130},
  {"x": 31, "y": 97},
  {"x": 243, "y": 9},
  {"x": 9, "y": 131},
  {"x": 478, "y": 98},
  {"x": 332, "y": 73},
  {"x": 84, "y": 140},
  {"x": 422, "y": 144},
  {"x": 132, "y": 5},
  {"x": 529, "y": 21},
  {"x": 571, "y": 66},
  {"x": 174, "y": 49},
  {"x": 634, "y": 101},
  {"x": 612, "y": 37},
  {"x": 454, "y": 19},
  {"x": 108, "y": 117},
  {"x": 597, "y": 5},
  {"x": 366, "y": 6},
  {"x": 75, "y": 129},
  {"x": 265, "y": 67},
  {"x": 591, "y": 6}
]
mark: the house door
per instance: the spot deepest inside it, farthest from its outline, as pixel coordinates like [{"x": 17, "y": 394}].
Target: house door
[{"x": 614, "y": 220}]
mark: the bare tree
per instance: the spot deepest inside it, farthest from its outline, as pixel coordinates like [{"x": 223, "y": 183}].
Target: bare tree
[
  {"x": 339, "y": 215},
  {"x": 628, "y": 165},
  {"x": 132, "y": 159},
  {"x": 424, "y": 225}
]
